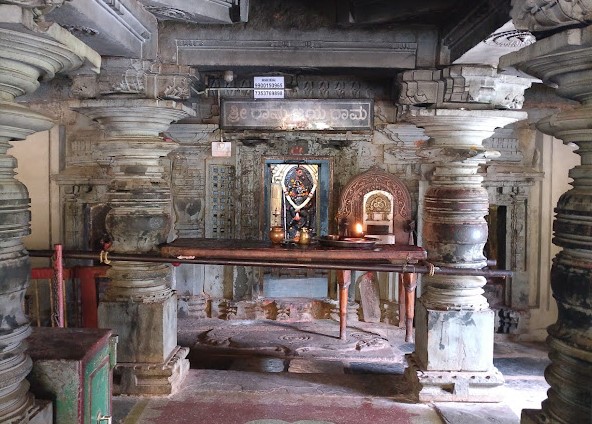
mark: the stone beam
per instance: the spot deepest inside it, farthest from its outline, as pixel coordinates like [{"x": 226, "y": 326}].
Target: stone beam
[
  {"x": 235, "y": 47},
  {"x": 112, "y": 28}
]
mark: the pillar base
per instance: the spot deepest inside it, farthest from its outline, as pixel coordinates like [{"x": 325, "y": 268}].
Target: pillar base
[
  {"x": 454, "y": 386},
  {"x": 147, "y": 331},
  {"x": 534, "y": 416},
  {"x": 454, "y": 340},
  {"x": 43, "y": 413},
  {"x": 152, "y": 379}
]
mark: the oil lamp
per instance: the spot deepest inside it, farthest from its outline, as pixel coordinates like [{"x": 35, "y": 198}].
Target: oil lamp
[{"x": 358, "y": 230}]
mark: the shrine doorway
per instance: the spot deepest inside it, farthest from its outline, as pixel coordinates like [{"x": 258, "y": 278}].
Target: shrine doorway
[{"x": 297, "y": 195}]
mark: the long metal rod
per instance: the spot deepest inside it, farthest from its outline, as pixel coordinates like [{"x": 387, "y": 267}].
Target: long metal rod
[
  {"x": 362, "y": 266},
  {"x": 58, "y": 283}
]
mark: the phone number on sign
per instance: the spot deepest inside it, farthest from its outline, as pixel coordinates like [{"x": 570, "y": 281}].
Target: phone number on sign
[{"x": 269, "y": 85}]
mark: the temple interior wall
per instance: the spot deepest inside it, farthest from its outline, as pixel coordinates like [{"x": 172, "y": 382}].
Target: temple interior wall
[{"x": 59, "y": 202}]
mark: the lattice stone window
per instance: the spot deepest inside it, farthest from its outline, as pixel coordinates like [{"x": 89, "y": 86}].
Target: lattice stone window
[{"x": 221, "y": 210}]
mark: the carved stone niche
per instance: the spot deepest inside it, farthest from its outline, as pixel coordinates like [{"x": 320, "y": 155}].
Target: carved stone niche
[
  {"x": 372, "y": 185},
  {"x": 508, "y": 180}
]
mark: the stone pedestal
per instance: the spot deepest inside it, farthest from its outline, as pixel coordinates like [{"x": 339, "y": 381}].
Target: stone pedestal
[
  {"x": 28, "y": 54},
  {"x": 153, "y": 332},
  {"x": 139, "y": 304},
  {"x": 453, "y": 358},
  {"x": 564, "y": 60},
  {"x": 453, "y": 340}
]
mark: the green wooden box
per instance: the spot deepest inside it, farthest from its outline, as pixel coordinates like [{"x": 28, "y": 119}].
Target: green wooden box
[{"x": 73, "y": 368}]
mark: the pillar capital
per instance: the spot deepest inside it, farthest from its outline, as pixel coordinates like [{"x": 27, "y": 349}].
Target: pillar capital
[
  {"x": 545, "y": 15},
  {"x": 562, "y": 60},
  {"x": 136, "y": 78},
  {"x": 191, "y": 134},
  {"x": 133, "y": 117},
  {"x": 462, "y": 86},
  {"x": 460, "y": 128},
  {"x": 33, "y": 51}
]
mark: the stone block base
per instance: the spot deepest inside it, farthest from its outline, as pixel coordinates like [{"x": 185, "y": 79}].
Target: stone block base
[
  {"x": 43, "y": 412},
  {"x": 152, "y": 379},
  {"x": 454, "y": 340},
  {"x": 454, "y": 386},
  {"x": 147, "y": 331}
]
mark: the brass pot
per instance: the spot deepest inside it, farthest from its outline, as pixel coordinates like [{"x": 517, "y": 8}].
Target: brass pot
[
  {"x": 304, "y": 236},
  {"x": 276, "y": 234}
]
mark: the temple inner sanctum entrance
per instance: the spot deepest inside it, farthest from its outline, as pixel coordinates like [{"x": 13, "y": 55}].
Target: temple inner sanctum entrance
[{"x": 297, "y": 196}]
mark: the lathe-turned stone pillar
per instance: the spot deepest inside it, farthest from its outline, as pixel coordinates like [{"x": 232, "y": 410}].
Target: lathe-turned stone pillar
[
  {"x": 453, "y": 358},
  {"x": 139, "y": 304},
  {"x": 135, "y": 101},
  {"x": 28, "y": 54},
  {"x": 565, "y": 60}
]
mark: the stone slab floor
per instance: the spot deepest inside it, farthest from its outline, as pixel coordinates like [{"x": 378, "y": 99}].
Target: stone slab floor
[{"x": 269, "y": 372}]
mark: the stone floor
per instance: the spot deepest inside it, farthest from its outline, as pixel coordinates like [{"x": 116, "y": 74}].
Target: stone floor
[{"x": 269, "y": 372}]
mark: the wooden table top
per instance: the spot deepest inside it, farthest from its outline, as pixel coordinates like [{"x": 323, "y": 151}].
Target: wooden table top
[{"x": 256, "y": 250}]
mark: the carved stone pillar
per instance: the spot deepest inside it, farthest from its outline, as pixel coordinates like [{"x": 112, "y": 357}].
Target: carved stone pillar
[
  {"x": 453, "y": 358},
  {"x": 564, "y": 60},
  {"x": 28, "y": 54},
  {"x": 139, "y": 304}
]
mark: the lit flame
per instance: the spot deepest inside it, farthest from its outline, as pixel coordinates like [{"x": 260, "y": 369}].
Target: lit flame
[{"x": 358, "y": 229}]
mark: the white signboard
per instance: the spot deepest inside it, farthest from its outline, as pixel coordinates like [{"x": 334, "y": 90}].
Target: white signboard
[
  {"x": 221, "y": 149},
  {"x": 268, "y": 82},
  {"x": 268, "y": 87}
]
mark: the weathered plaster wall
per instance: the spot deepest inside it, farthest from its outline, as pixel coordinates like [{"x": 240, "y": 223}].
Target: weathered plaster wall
[{"x": 39, "y": 158}]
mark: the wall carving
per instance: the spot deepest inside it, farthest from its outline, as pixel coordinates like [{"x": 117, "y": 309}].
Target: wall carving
[
  {"x": 220, "y": 220},
  {"x": 375, "y": 179},
  {"x": 515, "y": 38},
  {"x": 143, "y": 78},
  {"x": 508, "y": 180},
  {"x": 162, "y": 12}
]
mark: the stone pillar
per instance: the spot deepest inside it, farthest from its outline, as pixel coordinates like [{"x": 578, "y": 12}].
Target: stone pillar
[
  {"x": 564, "y": 60},
  {"x": 453, "y": 358},
  {"x": 139, "y": 304},
  {"x": 28, "y": 54}
]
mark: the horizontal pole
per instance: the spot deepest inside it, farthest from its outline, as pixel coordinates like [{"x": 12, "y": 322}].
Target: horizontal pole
[{"x": 362, "y": 266}]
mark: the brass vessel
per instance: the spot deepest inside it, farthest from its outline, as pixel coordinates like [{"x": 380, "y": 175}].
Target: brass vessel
[
  {"x": 276, "y": 234},
  {"x": 304, "y": 236}
]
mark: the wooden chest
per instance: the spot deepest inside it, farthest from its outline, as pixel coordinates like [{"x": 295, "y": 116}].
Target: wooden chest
[{"x": 73, "y": 367}]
